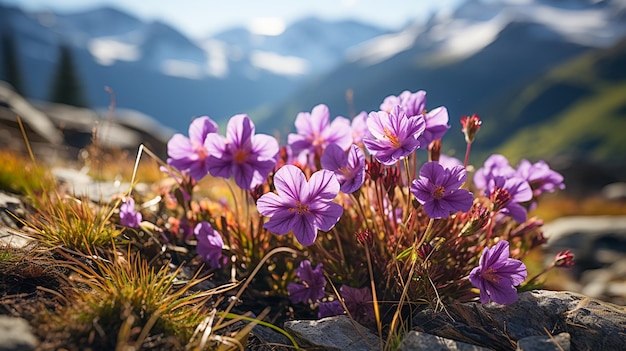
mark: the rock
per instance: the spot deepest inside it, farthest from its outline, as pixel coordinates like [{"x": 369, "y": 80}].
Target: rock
[
  {"x": 267, "y": 336},
  {"x": 333, "y": 333},
  {"x": 615, "y": 191},
  {"x": 578, "y": 233},
  {"x": 10, "y": 234},
  {"x": 592, "y": 324},
  {"x": 15, "y": 335},
  {"x": 36, "y": 122},
  {"x": 80, "y": 184},
  {"x": 416, "y": 341},
  {"x": 560, "y": 342},
  {"x": 599, "y": 247}
]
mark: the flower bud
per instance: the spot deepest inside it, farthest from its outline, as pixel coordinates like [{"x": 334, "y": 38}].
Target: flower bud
[
  {"x": 564, "y": 259},
  {"x": 471, "y": 125}
]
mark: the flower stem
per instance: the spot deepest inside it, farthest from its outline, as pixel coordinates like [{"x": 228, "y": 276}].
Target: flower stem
[
  {"x": 374, "y": 295},
  {"x": 425, "y": 237},
  {"x": 414, "y": 256},
  {"x": 408, "y": 191},
  {"x": 467, "y": 153}
]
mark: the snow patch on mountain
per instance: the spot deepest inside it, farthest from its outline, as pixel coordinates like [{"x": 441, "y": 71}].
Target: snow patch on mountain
[
  {"x": 107, "y": 51},
  {"x": 217, "y": 58},
  {"x": 279, "y": 64},
  {"x": 182, "y": 69},
  {"x": 383, "y": 47},
  {"x": 592, "y": 27},
  {"x": 475, "y": 24},
  {"x": 462, "y": 38}
]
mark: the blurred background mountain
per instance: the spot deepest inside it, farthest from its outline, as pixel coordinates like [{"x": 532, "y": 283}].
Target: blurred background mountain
[{"x": 547, "y": 77}]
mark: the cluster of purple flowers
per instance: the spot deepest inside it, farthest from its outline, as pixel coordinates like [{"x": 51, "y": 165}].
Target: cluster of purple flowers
[
  {"x": 333, "y": 154},
  {"x": 510, "y": 188},
  {"x": 310, "y": 289},
  {"x": 247, "y": 157}
]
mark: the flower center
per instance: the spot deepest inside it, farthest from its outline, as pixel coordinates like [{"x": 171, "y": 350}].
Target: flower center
[
  {"x": 200, "y": 150},
  {"x": 344, "y": 171},
  {"x": 240, "y": 156},
  {"x": 395, "y": 141},
  {"x": 439, "y": 191},
  {"x": 491, "y": 275},
  {"x": 317, "y": 140},
  {"x": 300, "y": 208},
  {"x": 500, "y": 198}
]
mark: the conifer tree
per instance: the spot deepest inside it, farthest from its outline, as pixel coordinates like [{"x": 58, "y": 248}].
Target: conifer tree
[
  {"x": 10, "y": 68},
  {"x": 66, "y": 86}
]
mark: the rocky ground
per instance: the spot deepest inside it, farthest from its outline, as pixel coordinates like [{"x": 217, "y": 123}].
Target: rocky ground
[{"x": 588, "y": 315}]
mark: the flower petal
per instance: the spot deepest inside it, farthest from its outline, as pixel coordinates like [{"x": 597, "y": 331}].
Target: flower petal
[
  {"x": 240, "y": 130},
  {"x": 265, "y": 147},
  {"x": 515, "y": 269},
  {"x": 502, "y": 292},
  {"x": 280, "y": 221},
  {"x": 289, "y": 181},
  {"x": 495, "y": 255},
  {"x": 326, "y": 220},
  {"x": 322, "y": 185},
  {"x": 334, "y": 157},
  {"x": 339, "y": 132},
  {"x": 179, "y": 147},
  {"x": 270, "y": 203},
  {"x": 303, "y": 229},
  {"x": 200, "y": 127}
]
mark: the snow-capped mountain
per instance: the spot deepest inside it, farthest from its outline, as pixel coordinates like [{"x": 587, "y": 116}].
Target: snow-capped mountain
[
  {"x": 111, "y": 35},
  {"x": 464, "y": 31},
  {"x": 154, "y": 68},
  {"x": 470, "y": 59},
  {"x": 295, "y": 43}
]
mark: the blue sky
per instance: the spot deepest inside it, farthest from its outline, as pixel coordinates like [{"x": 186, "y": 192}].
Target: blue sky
[{"x": 200, "y": 18}]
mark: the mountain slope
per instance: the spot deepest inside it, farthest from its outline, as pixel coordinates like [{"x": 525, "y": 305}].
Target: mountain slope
[
  {"x": 587, "y": 122},
  {"x": 464, "y": 86},
  {"x": 476, "y": 59}
]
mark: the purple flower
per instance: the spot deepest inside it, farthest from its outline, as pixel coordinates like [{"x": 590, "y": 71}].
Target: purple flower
[
  {"x": 210, "y": 244},
  {"x": 436, "y": 125},
  {"x": 359, "y": 128},
  {"x": 329, "y": 309},
  {"x": 348, "y": 167},
  {"x": 128, "y": 216},
  {"x": 507, "y": 194},
  {"x": 414, "y": 104},
  {"x": 394, "y": 135},
  {"x": 301, "y": 207},
  {"x": 497, "y": 275},
  {"x": 540, "y": 177},
  {"x": 437, "y": 189},
  {"x": 312, "y": 288},
  {"x": 249, "y": 158},
  {"x": 190, "y": 154},
  {"x": 359, "y": 302},
  {"x": 449, "y": 161},
  {"x": 495, "y": 165},
  {"x": 315, "y": 132}
]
